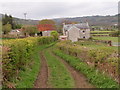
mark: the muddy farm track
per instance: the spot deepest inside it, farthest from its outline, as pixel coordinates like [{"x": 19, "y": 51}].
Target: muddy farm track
[
  {"x": 42, "y": 79},
  {"x": 80, "y": 80}
]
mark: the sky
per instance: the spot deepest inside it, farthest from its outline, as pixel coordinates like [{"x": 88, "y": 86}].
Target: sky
[{"x": 48, "y": 9}]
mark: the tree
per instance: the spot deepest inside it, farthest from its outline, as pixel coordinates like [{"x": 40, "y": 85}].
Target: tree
[
  {"x": 18, "y": 26},
  {"x": 9, "y": 20},
  {"x": 29, "y": 30},
  {"x": 54, "y": 34},
  {"x": 6, "y": 28},
  {"x": 48, "y": 22},
  {"x": 5, "y": 19}
]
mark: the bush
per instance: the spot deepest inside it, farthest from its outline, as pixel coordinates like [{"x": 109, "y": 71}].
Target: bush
[
  {"x": 54, "y": 34},
  {"x": 29, "y": 30},
  {"x": 18, "y": 54}
]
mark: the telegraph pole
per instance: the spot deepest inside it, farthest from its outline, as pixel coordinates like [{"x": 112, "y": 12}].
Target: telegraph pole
[{"x": 25, "y": 15}]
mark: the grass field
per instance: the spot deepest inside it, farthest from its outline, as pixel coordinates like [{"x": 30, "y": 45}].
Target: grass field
[
  {"x": 114, "y": 39},
  {"x": 94, "y": 45},
  {"x": 101, "y": 31},
  {"x": 100, "y": 34}
]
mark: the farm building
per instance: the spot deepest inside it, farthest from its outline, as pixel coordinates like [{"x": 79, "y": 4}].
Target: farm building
[
  {"x": 15, "y": 32},
  {"x": 45, "y": 29},
  {"x": 76, "y": 31}
]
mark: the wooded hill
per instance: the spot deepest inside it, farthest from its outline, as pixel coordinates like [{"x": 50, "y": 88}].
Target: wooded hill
[{"x": 92, "y": 20}]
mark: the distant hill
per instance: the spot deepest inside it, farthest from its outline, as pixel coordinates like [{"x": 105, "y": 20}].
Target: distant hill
[
  {"x": 26, "y": 22},
  {"x": 92, "y": 20}
]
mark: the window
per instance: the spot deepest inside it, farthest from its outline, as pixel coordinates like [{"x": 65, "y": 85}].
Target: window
[
  {"x": 83, "y": 31},
  {"x": 84, "y": 37}
]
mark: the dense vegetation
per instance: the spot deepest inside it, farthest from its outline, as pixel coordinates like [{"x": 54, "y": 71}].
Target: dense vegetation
[
  {"x": 95, "y": 77},
  {"x": 8, "y": 19},
  {"x": 18, "y": 54},
  {"x": 29, "y": 30},
  {"x": 97, "y": 55}
]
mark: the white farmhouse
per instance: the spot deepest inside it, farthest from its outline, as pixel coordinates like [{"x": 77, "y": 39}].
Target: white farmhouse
[{"x": 76, "y": 31}]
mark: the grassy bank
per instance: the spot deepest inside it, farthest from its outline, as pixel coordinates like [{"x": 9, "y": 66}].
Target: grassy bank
[
  {"x": 19, "y": 58},
  {"x": 28, "y": 77},
  {"x": 95, "y": 77},
  {"x": 59, "y": 75}
]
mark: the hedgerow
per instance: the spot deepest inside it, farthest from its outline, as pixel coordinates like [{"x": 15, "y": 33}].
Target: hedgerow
[
  {"x": 86, "y": 53},
  {"x": 18, "y": 54},
  {"x": 99, "y": 58},
  {"x": 94, "y": 76}
]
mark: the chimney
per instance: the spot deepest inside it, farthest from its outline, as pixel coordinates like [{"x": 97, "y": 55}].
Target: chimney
[{"x": 63, "y": 29}]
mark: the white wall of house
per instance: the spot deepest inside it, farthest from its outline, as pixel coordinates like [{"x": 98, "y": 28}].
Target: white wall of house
[
  {"x": 46, "y": 33},
  {"x": 85, "y": 33},
  {"x": 73, "y": 34}
]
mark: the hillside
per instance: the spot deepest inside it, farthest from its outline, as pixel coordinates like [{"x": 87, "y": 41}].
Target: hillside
[
  {"x": 92, "y": 20},
  {"x": 26, "y": 22}
]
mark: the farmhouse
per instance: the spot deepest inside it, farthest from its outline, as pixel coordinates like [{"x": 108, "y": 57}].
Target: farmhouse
[
  {"x": 76, "y": 31},
  {"x": 15, "y": 32},
  {"x": 45, "y": 29}
]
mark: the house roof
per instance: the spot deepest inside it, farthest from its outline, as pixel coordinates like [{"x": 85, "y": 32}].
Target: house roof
[
  {"x": 46, "y": 27},
  {"x": 80, "y": 26}
]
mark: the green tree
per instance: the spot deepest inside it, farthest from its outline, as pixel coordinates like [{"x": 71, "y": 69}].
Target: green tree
[
  {"x": 6, "y": 28},
  {"x": 17, "y": 26},
  {"x": 48, "y": 21},
  {"x": 54, "y": 34},
  {"x": 8, "y": 19},
  {"x": 29, "y": 30}
]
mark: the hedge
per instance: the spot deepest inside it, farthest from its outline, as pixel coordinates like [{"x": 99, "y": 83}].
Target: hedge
[
  {"x": 101, "y": 58},
  {"x": 18, "y": 54}
]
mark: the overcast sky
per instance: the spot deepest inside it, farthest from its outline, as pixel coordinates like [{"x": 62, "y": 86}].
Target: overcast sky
[{"x": 58, "y": 9}]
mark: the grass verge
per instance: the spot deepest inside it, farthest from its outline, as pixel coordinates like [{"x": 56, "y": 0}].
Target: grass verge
[
  {"x": 59, "y": 75},
  {"x": 95, "y": 77}
]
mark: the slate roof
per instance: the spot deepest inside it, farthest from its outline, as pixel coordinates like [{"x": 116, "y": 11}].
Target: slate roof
[{"x": 80, "y": 26}]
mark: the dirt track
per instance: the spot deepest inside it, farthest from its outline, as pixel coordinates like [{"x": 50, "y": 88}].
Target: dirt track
[
  {"x": 80, "y": 79},
  {"x": 42, "y": 78}
]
